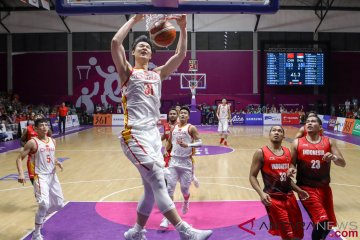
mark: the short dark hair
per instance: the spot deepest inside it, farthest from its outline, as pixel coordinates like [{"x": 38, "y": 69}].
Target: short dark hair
[
  {"x": 283, "y": 131},
  {"x": 143, "y": 38},
  {"x": 39, "y": 120},
  {"x": 172, "y": 109},
  {"x": 185, "y": 108},
  {"x": 317, "y": 119}
]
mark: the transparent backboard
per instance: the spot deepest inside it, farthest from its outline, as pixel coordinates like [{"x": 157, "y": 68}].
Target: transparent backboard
[
  {"x": 193, "y": 80},
  {"x": 83, "y": 7}
]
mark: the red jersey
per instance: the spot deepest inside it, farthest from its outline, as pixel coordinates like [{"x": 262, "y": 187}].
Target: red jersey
[
  {"x": 167, "y": 130},
  {"x": 274, "y": 171},
  {"x": 63, "y": 111},
  {"x": 312, "y": 171}
]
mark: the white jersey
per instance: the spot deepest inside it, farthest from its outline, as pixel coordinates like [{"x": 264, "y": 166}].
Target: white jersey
[
  {"x": 44, "y": 156},
  {"x": 141, "y": 99},
  {"x": 223, "y": 111},
  {"x": 180, "y": 156}
]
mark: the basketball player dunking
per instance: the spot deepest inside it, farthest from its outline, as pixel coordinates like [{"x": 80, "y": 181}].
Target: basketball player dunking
[
  {"x": 223, "y": 114},
  {"x": 141, "y": 140},
  {"x": 183, "y": 139},
  {"x": 47, "y": 187},
  {"x": 274, "y": 161},
  {"x": 313, "y": 155}
]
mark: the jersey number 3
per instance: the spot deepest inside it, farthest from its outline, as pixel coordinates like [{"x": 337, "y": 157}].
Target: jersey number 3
[{"x": 149, "y": 90}]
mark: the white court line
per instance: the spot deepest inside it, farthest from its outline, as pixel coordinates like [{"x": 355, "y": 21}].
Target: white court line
[
  {"x": 114, "y": 193},
  {"x": 221, "y": 184},
  {"x": 47, "y": 218},
  {"x": 125, "y": 179}
]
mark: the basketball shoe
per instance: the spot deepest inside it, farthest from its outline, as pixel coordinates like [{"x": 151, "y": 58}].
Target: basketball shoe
[
  {"x": 132, "y": 234},
  {"x": 37, "y": 236},
  {"x": 164, "y": 223},
  {"x": 186, "y": 232},
  {"x": 185, "y": 207},
  {"x": 225, "y": 143},
  {"x": 221, "y": 140}
]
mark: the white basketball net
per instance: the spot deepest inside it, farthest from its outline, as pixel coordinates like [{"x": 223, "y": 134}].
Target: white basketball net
[{"x": 153, "y": 19}]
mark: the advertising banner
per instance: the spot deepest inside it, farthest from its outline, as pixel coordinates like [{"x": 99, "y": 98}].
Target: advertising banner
[
  {"x": 340, "y": 121},
  {"x": 75, "y": 120},
  {"x": 68, "y": 122},
  {"x": 356, "y": 129},
  {"x": 332, "y": 123},
  {"x": 253, "y": 119},
  {"x": 163, "y": 119},
  {"x": 118, "y": 119},
  {"x": 55, "y": 124},
  {"x": 272, "y": 119},
  {"x": 237, "y": 119},
  {"x": 102, "y": 119},
  {"x": 325, "y": 121},
  {"x": 290, "y": 118},
  {"x": 348, "y": 125}
]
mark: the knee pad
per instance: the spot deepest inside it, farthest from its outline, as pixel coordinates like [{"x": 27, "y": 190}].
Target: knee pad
[{"x": 160, "y": 191}]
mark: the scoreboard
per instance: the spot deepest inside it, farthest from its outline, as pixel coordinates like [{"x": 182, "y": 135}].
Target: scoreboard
[{"x": 295, "y": 68}]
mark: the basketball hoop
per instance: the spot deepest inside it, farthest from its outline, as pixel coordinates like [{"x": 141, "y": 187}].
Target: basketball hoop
[{"x": 153, "y": 20}]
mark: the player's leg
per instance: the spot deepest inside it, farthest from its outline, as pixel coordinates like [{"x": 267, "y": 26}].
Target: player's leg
[
  {"x": 144, "y": 208},
  {"x": 225, "y": 131},
  {"x": 41, "y": 189},
  {"x": 140, "y": 149},
  {"x": 220, "y": 130},
  {"x": 55, "y": 195},
  {"x": 318, "y": 215},
  {"x": 185, "y": 178}
]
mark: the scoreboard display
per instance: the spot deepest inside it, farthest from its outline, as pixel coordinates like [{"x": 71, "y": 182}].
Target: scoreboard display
[{"x": 295, "y": 68}]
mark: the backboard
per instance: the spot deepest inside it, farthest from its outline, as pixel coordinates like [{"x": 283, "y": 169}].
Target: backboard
[{"x": 83, "y": 7}]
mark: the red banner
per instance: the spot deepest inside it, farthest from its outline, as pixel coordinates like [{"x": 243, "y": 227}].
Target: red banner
[
  {"x": 102, "y": 119},
  {"x": 290, "y": 118}
]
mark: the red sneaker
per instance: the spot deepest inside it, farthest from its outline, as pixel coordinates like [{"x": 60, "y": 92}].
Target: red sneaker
[
  {"x": 225, "y": 143},
  {"x": 221, "y": 140}
]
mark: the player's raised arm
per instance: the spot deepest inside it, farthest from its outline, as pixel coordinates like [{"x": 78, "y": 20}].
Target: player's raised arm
[
  {"x": 300, "y": 133},
  {"x": 117, "y": 49},
  {"x": 174, "y": 62}
]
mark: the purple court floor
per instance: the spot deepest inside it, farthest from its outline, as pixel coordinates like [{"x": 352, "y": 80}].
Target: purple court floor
[{"x": 109, "y": 220}]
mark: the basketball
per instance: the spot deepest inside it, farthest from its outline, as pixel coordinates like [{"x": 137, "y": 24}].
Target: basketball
[{"x": 163, "y": 34}]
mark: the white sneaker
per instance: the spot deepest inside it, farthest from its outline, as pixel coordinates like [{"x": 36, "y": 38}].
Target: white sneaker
[
  {"x": 37, "y": 236},
  {"x": 164, "y": 223},
  {"x": 188, "y": 233},
  {"x": 132, "y": 234},
  {"x": 196, "y": 182},
  {"x": 185, "y": 207}
]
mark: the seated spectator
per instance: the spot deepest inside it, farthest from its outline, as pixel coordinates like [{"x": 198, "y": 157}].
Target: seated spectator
[{"x": 3, "y": 133}]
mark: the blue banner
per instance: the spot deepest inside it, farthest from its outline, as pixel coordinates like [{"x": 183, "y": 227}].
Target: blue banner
[
  {"x": 253, "y": 119},
  {"x": 325, "y": 121},
  {"x": 237, "y": 119},
  {"x": 55, "y": 124}
]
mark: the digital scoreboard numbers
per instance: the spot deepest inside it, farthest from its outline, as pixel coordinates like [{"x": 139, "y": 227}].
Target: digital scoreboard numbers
[{"x": 295, "y": 68}]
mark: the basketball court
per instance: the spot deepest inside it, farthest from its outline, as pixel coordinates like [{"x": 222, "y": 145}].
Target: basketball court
[{"x": 103, "y": 187}]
